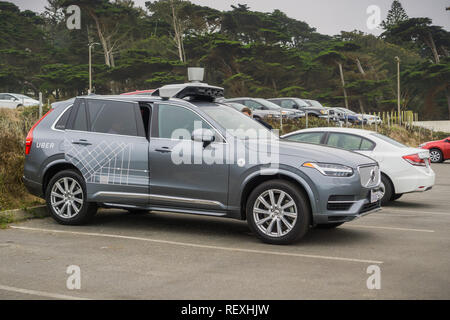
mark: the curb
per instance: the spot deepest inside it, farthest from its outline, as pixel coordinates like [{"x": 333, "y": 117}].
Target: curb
[{"x": 17, "y": 215}]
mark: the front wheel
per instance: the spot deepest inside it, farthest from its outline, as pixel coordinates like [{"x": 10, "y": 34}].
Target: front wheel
[
  {"x": 387, "y": 190},
  {"x": 436, "y": 156},
  {"x": 66, "y": 199},
  {"x": 278, "y": 212}
]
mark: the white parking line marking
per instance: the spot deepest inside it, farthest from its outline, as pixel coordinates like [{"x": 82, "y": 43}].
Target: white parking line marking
[
  {"x": 40, "y": 293},
  {"x": 185, "y": 244},
  {"x": 387, "y": 228},
  {"x": 415, "y": 211}
]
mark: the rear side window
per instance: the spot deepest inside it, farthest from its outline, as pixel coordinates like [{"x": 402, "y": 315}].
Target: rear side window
[
  {"x": 310, "y": 137},
  {"x": 349, "y": 142},
  {"x": 61, "y": 124},
  {"x": 80, "y": 122},
  {"x": 114, "y": 117}
]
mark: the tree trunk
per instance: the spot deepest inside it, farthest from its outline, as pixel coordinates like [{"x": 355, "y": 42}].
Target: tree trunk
[
  {"x": 178, "y": 39},
  {"x": 433, "y": 47},
  {"x": 360, "y": 68},
  {"x": 343, "y": 83},
  {"x": 103, "y": 41}
]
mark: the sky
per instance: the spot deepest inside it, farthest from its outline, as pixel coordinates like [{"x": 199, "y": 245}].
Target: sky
[{"x": 327, "y": 16}]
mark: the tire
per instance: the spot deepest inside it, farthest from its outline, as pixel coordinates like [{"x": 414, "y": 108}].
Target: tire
[
  {"x": 67, "y": 201},
  {"x": 436, "y": 156},
  {"x": 328, "y": 225},
  {"x": 388, "y": 190},
  {"x": 290, "y": 225},
  {"x": 397, "y": 196}
]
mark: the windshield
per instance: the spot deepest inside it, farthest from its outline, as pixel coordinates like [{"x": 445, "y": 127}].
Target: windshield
[
  {"x": 268, "y": 104},
  {"x": 389, "y": 140},
  {"x": 301, "y": 103},
  {"x": 21, "y": 96},
  {"x": 235, "y": 122},
  {"x": 315, "y": 103},
  {"x": 347, "y": 111}
]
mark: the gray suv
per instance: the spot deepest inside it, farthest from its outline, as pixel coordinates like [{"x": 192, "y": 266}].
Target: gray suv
[{"x": 124, "y": 152}]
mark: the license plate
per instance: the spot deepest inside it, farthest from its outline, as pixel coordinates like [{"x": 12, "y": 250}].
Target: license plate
[{"x": 373, "y": 196}]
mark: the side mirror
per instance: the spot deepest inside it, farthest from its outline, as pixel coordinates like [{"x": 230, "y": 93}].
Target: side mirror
[{"x": 206, "y": 136}]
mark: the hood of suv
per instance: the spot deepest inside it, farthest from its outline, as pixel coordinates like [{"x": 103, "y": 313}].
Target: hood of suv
[{"x": 316, "y": 153}]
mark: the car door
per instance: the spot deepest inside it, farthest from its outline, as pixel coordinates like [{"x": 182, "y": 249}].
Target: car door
[
  {"x": 446, "y": 148},
  {"x": 177, "y": 178},
  {"x": 106, "y": 141},
  {"x": 7, "y": 101}
]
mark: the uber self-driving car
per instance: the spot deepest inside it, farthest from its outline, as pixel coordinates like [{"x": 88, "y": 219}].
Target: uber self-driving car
[{"x": 180, "y": 151}]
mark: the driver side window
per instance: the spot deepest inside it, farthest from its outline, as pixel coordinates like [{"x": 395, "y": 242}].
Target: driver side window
[{"x": 178, "y": 122}]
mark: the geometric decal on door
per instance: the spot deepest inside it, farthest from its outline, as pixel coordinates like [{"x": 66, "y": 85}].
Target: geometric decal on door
[{"x": 105, "y": 163}]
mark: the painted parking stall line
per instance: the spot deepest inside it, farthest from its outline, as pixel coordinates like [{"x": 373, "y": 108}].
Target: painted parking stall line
[
  {"x": 40, "y": 293},
  {"x": 186, "y": 244},
  {"x": 388, "y": 228}
]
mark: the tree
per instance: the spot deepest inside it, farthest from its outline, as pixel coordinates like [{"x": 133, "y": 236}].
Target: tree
[{"x": 395, "y": 15}]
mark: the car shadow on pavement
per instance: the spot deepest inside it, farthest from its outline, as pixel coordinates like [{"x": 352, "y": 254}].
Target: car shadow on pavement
[
  {"x": 408, "y": 205},
  {"x": 172, "y": 226}
]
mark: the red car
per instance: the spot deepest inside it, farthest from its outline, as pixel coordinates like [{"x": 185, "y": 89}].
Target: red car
[
  {"x": 439, "y": 150},
  {"x": 140, "y": 92}
]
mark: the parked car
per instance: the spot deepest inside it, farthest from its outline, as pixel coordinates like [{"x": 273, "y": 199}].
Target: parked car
[
  {"x": 403, "y": 169},
  {"x": 118, "y": 152},
  {"x": 439, "y": 150},
  {"x": 140, "y": 92},
  {"x": 265, "y": 108},
  {"x": 351, "y": 116},
  {"x": 14, "y": 100},
  {"x": 301, "y": 104}
]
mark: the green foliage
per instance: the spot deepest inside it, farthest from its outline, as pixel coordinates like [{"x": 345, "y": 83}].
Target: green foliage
[{"x": 249, "y": 53}]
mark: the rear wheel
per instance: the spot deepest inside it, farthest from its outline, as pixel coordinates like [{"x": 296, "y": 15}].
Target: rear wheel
[
  {"x": 66, "y": 198},
  {"x": 387, "y": 190},
  {"x": 436, "y": 156},
  {"x": 278, "y": 212}
]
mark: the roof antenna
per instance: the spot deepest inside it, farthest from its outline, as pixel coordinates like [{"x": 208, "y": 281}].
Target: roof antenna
[{"x": 196, "y": 75}]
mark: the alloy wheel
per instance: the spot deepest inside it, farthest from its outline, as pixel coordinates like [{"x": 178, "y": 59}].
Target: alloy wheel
[
  {"x": 66, "y": 197},
  {"x": 275, "y": 212},
  {"x": 435, "y": 156}
]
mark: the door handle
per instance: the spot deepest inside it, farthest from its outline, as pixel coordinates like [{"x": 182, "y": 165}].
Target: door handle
[
  {"x": 163, "y": 150},
  {"x": 82, "y": 142}
]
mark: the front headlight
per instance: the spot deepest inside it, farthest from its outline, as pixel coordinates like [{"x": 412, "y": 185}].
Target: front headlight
[
  {"x": 330, "y": 169},
  {"x": 323, "y": 112}
]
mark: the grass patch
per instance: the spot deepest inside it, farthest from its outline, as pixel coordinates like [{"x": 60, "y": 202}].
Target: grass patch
[{"x": 14, "y": 126}]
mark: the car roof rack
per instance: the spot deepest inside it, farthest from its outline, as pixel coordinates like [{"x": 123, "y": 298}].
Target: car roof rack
[{"x": 194, "y": 91}]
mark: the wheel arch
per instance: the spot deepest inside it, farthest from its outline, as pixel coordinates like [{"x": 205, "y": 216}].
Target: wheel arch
[
  {"x": 390, "y": 180},
  {"x": 53, "y": 168},
  {"x": 259, "y": 178}
]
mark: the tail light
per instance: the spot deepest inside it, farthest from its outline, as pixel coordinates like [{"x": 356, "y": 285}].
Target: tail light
[
  {"x": 415, "y": 160},
  {"x": 29, "y": 139}
]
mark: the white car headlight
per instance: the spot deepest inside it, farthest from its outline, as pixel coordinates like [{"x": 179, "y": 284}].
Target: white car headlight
[{"x": 330, "y": 169}]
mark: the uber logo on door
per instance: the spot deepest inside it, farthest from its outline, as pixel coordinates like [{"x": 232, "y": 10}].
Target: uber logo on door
[{"x": 45, "y": 145}]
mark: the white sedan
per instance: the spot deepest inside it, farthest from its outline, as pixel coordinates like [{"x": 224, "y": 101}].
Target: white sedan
[
  {"x": 403, "y": 169},
  {"x": 14, "y": 100}
]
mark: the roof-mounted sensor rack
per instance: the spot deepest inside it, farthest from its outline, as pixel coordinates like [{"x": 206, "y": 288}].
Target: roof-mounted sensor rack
[{"x": 195, "y": 91}]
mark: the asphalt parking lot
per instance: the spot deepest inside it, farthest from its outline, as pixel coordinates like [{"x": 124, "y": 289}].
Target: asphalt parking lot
[{"x": 174, "y": 256}]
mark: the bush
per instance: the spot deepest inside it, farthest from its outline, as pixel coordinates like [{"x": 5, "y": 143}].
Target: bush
[{"x": 14, "y": 126}]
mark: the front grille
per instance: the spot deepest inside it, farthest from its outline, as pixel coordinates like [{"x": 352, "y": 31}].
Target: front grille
[
  {"x": 370, "y": 206},
  {"x": 369, "y": 176}
]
